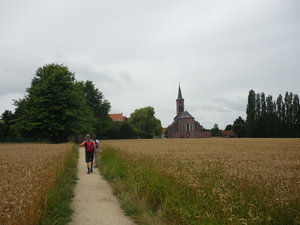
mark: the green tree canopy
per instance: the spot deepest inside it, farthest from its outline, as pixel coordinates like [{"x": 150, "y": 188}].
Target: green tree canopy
[
  {"x": 54, "y": 107},
  {"x": 215, "y": 130},
  {"x": 144, "y": 120},
  {"x": 239, "y": 127},
  {"x": 5, "y": 124},
  {"x": 228, "y": 127},
  {"x": 98, "y": 105}
]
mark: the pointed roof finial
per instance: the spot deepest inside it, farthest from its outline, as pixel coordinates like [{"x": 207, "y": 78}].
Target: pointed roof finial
[{"x": 179, "y": 93}]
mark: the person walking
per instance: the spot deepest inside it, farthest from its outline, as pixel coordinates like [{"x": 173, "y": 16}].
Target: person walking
[
  {"x": 94, "y": 139},
  {"x": 90, "y": 148}
]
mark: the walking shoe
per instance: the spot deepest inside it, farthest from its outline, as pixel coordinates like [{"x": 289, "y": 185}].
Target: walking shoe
[{"x": 88, "y": 172}]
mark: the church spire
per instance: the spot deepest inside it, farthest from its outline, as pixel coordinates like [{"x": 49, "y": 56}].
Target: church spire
[
  {"x": 179, "y": 102},
  {"x": 179, "y": 93}
]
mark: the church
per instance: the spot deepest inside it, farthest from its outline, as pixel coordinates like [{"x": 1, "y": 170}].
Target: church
[{"x": 184, "y": 124}]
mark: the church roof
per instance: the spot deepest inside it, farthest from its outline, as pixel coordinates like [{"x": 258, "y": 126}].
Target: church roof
[
  {"x": 185, "y": 115},
  {"x": 179, "y": 93}
]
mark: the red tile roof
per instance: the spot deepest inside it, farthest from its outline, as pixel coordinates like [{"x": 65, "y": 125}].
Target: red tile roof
[
  {"x": 117, "y": 117},
  {"x": 227, "y": 132}
]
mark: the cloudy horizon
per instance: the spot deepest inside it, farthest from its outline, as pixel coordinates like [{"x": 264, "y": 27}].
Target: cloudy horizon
[{"x": 137, "y": 52}]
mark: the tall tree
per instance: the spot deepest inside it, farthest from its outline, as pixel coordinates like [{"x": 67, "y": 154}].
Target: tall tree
[
  {"x": 288, "y": 99},
  {"x": 280, "y": 117},
  {"x": 296, "y": 116},
  {"x": 258, "y": 118},
  {"x": 144, "y": 120},
  {"x": 258, "y": 107},
  {"x": 99, "y": 106},
  {"x": 251, "y": 115},
  {"x": 270, "y": 118},
  {"x": 54, "y": 107},
  {"x": 263, "y": 128}
]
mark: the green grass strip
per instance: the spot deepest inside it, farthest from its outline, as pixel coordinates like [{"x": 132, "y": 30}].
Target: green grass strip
[{"x": 58, "y": 205}]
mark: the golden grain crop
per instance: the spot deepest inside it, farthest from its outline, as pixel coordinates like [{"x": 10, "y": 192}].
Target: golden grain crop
[
  {"x": 27, "y": 171},
  {"x": 271, "y": 165}
]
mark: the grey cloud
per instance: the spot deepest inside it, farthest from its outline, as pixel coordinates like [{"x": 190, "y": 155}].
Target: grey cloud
[{"x": 136, "y": 52}]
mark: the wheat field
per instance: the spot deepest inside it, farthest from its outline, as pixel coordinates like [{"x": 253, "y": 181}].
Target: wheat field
[
  {"x": 270, "y": 166},
  {"x": 27, "y": 171}
]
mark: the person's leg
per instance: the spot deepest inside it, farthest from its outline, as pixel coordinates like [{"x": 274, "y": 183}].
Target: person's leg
[
  {"x": 88, "y": 168},
  {"x": 92, "y": 159},
  {"x": 88, "y": 160},
  {"x": 96, "y": 158}
]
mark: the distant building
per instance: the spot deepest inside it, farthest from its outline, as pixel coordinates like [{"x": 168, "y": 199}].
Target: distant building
[
  {"x": 118, "y": 117},
  {"x": 184, "y": 124},
  {"x": 229, "y": 134}
]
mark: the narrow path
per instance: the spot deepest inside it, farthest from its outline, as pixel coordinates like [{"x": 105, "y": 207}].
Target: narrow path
[{"x": 94, "y": 202}]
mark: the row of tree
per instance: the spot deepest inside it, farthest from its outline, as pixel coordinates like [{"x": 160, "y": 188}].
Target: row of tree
[
  {"x": 57, "y": 107},
  {"x": 273, "y": 118},
  {"x": 267, "y": 117}
]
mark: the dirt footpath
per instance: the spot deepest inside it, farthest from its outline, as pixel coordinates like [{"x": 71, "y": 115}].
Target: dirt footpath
[{"x": 94, "y": 202}]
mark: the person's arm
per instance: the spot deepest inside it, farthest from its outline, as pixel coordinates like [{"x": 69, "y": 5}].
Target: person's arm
[
  {"x": 100, "y": 150},
  {"x": 97, "y": 143}
]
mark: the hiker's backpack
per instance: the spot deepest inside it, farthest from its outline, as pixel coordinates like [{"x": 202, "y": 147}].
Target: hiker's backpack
[
  {"x": 89, "y": 146},
  {"x": 96, "y": 142}
]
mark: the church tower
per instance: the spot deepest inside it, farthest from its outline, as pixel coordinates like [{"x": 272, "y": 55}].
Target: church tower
[{"x": 179, "y": 103}]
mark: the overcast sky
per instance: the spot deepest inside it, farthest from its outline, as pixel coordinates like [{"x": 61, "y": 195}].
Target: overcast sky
[{"x": 136, "y": 52}]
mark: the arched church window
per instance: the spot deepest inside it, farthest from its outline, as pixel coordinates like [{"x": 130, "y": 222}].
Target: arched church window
[
  {"x": 183, "y": 127},
  {"x": 187, "y": 126}
]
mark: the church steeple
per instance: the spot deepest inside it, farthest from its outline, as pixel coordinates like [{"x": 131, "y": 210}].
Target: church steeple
[
  {"x": 179, "y": 93},
  {"x": 179, "y": 102}
]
